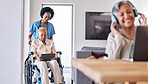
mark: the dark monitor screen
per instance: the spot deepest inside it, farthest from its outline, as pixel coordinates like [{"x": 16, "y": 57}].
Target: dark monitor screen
[{"x": 97, "y": 25}]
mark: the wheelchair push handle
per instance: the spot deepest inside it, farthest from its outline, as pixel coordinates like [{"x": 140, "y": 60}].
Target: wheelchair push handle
[
  {"x": 31, "y": 53},
  {"x": 59, "y": 52}
]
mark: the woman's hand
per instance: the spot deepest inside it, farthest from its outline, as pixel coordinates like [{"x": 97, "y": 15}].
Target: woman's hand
[
  {"x": 113, "y": 29},
  {"x": 29, "y": 42},
  {"x": 54, "y": 58},
  {"x": 38, "y": 58},
  {"x": 29, "y": 38},
  {"x": 144, "y": 19}
]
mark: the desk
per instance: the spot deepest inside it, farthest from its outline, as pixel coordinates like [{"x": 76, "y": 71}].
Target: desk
[{"x": 101, "y": 71}]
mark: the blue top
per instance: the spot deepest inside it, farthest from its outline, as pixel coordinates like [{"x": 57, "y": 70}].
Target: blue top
[{"x": 36, "y": 25}]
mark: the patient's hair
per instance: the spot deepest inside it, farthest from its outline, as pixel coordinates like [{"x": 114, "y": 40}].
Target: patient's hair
[
  {"x": 116, "y": 7},
  {"x": 42, "y": 29}
]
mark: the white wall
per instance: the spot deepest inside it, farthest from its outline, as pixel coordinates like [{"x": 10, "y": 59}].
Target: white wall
[
  {"x": 11, "y": 30},
  {"x": 10, "y": 42},
  {"x": 26, "y": 27},
  {"x": 81, "y": 6}
]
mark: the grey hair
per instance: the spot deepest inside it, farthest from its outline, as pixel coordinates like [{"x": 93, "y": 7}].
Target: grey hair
[{"x": 116, "y": 7}]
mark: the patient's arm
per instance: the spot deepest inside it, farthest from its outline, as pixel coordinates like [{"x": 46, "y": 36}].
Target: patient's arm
[{"x": 34, "y": 47}]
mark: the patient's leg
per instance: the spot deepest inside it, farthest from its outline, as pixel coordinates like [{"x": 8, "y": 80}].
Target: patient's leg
[
  {"x": 43, "y": 71},
  {"x": 56, "y": 71}
]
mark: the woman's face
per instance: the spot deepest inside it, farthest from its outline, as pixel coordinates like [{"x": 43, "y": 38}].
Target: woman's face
[
  {"x": 42, "y": 35},
  {"x": 126, "y": 16},
  {"x": 46, "y": 16}
]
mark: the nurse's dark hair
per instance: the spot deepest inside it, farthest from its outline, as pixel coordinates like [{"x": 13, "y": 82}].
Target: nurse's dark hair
[{"x": 46, "y": 9}]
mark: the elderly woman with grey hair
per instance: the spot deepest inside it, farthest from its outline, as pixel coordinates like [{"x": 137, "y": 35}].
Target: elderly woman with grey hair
[
  {"x": 120, "y": 40},
  {"x": 45, "y": 46}
]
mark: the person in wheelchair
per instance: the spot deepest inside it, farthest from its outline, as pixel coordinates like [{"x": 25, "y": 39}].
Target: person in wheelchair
[{"x": 45, "y": 46}]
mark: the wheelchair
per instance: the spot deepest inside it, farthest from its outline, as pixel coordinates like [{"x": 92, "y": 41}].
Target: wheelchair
[{"x": 32, "y": 73}]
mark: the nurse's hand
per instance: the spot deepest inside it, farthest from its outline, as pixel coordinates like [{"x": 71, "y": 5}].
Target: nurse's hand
[
  {"x": 29, "y": 38},
  {"x": 29, "y": 42},
  {"x": 38, "y": 58}
]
